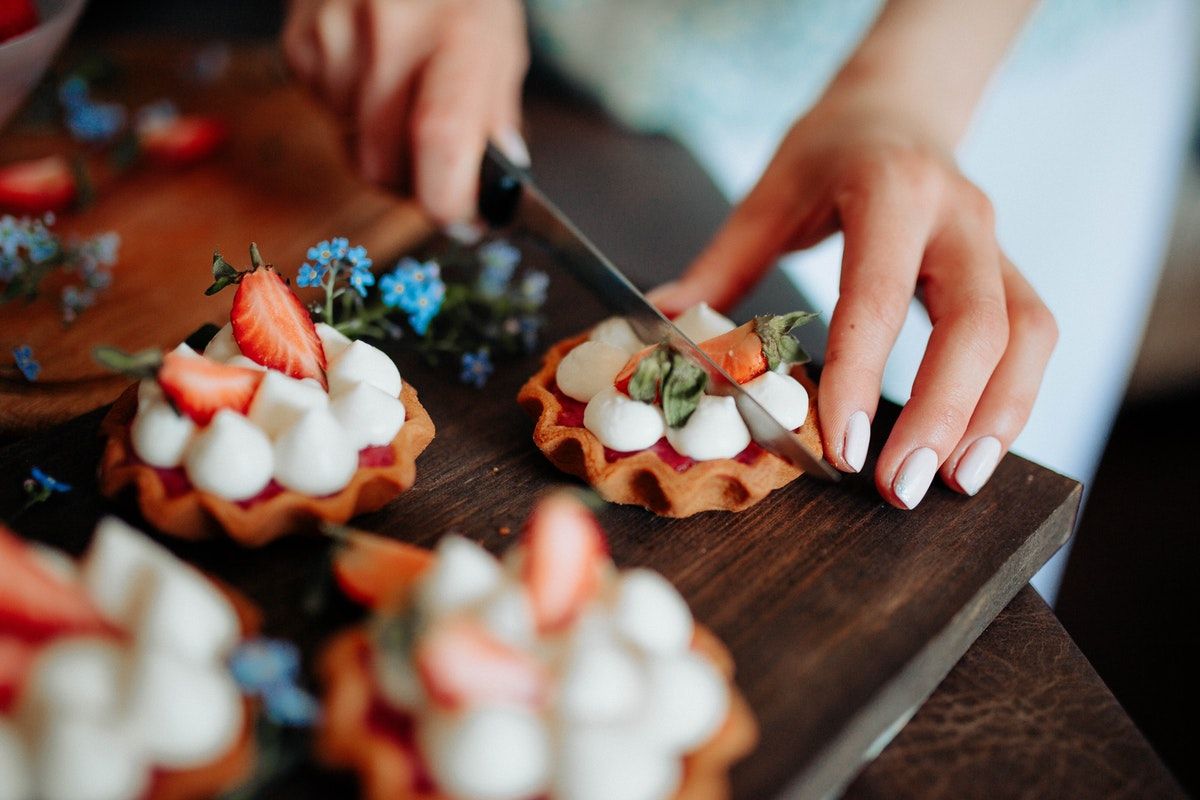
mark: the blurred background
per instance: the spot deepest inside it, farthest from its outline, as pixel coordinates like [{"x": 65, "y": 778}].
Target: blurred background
[{"x": 1130, "y": 586}]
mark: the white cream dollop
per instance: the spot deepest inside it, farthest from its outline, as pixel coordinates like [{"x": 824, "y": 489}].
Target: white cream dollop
[
  {"x": 617, "y": 332},
  {"x": 160, "y": 435},
  {"x": 369, "y": 415},
  {"x": 686, "y": 702},
  {"x": 649, "y": 612},
  {"x": 622, "y": 423},
  {"x": 784, "y": 397},
  {"x": 361, "y": 362},
  {"x": 487, "y": 753},
  {"x": 714, "y": 430},
  {"x": 462, "y": 574},
  {"x": 281, "y": 400},
  {"x": 700, "y": 323},
  {"x": 608, "y": 763},
  {"x": 245, "y": 361},
  {"x": 601, "y": 682},
  {"x": 589, "y": 369},
  {"x": 16, "y": 783},
  {"x": 77, "y": 675},
  {"x": 230, "y": 458},
  {"x": 222, "y": 346},
  {"x": 77, "y": 757},
  {"x": 333, "y": 341},
  {"x": 314, "y": 456}
]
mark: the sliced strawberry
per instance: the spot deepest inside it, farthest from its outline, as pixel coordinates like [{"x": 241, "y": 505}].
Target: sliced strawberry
[
  {"x": 16, "y": 657},
  {"x": 37, "y": 186},
  {"x": 372, "y": 570},
  {"x": 761, "y": 344},
  {"x": 36, "y": 604},
  {"x": 200, "y": 387},
  {"x": 564, "y": 551},
  {"x": 183, "y": 140},
  {"x": 461, "y": 664},
  {"x": 272, "y": 326},
  {"x": 17, "y": 17}
]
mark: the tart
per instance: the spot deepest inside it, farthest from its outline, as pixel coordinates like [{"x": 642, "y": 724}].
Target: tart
[
  {"x": 113, "y": 673},
  {"x": 548, "y": 675},
  {"x": 279, "y": 424},
  {"x": 675, "y": 458}
]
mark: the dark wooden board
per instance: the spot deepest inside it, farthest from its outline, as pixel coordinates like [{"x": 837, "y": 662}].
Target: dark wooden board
[{"x": 842, "y": 613}]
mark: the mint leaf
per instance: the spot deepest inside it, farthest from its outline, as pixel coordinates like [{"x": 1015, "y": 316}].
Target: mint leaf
[
  {"x": 648, "y": 376},
  {"x": 143, "y": 364},
  {"x": 777, "y": 344},
  {"x": 682, "y": 390}
]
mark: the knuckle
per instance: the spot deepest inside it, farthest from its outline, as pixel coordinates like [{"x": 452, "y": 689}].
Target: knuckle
[
  {"x": 973, "y": 202},
  {"x": 435, "y": 130},
  {"x": 985, "y": 326},
  {"x": 1036, "y": 320}
]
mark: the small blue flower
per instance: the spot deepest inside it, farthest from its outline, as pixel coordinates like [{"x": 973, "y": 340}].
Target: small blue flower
[
  {"x": 310, "y": 275},
  {"x": 498, "y": 259},
  {"x": 392, "y": 288},
  {"x": 12, "y": 235},
  {"x": 29, "y": 367},
  {"x": 10, "y": 267},
  {"x": 289, "y": 705},
  {"x": 340, "y": 247},
  {"x": 361, "y": 277},
  {"x": 95, "y": 122},
  {"x": 322, "y": 253},
  {"x": 425, "y": 307},
  {"x": 533, "y": 288},
  {"x": 357, "y": 257},
  {"x": 73, "y": 92},
  {"x": 258, "y": 664},
  {"x": 529, "y": 330},
  {"x": 476, "y": 368},
  {"x": 47, "y": 483}
]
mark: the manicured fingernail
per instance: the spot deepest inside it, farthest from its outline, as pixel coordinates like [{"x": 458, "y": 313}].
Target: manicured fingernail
[
  {"x": 915, "y": 476},
  {"x": 858, "y": 437},
  {"x": 466, "y": 233},
  {"x": 512, "y": 144},
  {"x": 977, "y": 464}
]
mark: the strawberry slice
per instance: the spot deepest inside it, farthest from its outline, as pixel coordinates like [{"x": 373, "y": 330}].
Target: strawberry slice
[
  {"x": 564, "y": 551},
  {"x": 761, "y": 344},
  {"x": 461, "y": 664},
  {"x": 37, "y": 186},
  {"x": 16, "y": 657},
  {"x": 16, "y": 17},
  {"x": 180, "y": 141},
  {"x": 200, "y": 387},
  {"x": 371, "y": 569},
  {"x": 35, "y": 604},
  {"x": 272, "y": 326}
]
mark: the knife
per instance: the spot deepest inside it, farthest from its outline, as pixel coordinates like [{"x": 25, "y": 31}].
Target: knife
[{"x": 508, "y": 196}]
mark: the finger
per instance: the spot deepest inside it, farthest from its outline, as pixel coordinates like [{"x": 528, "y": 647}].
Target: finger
[
  {"x": 398, "y": 37},
  {"x": 885, "y": 237},
  {"x": 760, "y": 228},
  {"x": 506, "y": 113},
  {"x": 450, "y": 123},
  {"x": 1006, "y": 402},
  {"x": 965, "y": 299},
  {"x": 299, "y": 41},
  {"x": 335, "y": 28}
]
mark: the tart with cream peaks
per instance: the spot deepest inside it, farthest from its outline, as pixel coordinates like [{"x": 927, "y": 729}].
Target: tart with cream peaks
[
  {"x": 548, "y": 675},
  {"x": 277, "y": 424},
  {"x": 634, "y": 419},
  {"x": 114, "y": 674}
]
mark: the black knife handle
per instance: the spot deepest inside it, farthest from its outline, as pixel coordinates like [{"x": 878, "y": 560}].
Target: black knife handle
[{"x": 499, "y": 188}]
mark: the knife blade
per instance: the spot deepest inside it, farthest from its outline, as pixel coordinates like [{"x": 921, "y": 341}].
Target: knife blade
[{"x": 508, "y": 196}]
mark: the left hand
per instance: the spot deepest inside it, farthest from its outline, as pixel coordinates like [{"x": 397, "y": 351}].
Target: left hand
[{"x": 912, "y": 222}]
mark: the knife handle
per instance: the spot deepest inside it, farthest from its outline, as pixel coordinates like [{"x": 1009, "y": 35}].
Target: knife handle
[{"x": 499, "y": 188}]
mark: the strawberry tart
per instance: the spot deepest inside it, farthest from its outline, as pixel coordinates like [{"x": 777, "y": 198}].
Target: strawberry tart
[
  {"x": 549, "y": 675},
  {"x": 113, "y": 674},
  {"x": 277, "y": 424},
  {"x": 633, "y": 418}
]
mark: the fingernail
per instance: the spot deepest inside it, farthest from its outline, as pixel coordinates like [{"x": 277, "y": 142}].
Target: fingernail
[
  {"x": 858, "y": 437},
  {"x": 512, "y": 144},
  {"x": 977, "y": 464},
  {"x": 465, "y": 233},
  {"x": 915, "y": 476}
]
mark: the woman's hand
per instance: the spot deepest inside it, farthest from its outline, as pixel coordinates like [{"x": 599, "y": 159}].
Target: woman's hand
[
  {"x": 424, "y": 84},
  {"x": 912, "y": 224}
]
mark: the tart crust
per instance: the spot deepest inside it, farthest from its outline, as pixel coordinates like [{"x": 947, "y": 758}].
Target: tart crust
[
  {"x": 197, "y": 515},
  {"x": 346, "y": 739},
  {"x": 644, "y": 479}
]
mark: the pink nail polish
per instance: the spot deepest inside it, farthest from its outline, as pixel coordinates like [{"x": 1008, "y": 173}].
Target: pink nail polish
[
  {"x": 916, "y": 473},
  {"x": 978, "y": 464}
]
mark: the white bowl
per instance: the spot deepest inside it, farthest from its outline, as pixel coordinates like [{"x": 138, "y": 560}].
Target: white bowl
[{"x": 24, "y": 58}]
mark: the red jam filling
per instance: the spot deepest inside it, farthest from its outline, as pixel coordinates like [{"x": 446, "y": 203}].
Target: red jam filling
[
  {"x": 571, "y": 416},
  {"x": 398, "y": 727},
  {"x": 175, "y": 480}
]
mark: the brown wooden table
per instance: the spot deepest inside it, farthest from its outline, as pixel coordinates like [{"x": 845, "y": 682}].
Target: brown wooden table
[{"x": 842, "y": 613}]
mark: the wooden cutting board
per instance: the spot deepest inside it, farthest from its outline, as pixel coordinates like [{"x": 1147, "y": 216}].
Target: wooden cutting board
[{"x": 283, "y": 180}]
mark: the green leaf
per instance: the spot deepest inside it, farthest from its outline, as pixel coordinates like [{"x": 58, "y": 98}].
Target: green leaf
[
  {"x": 143, "y": 364},
  {"x": 778, "y": 345},
  {"x": 649, "y": 374},
  {"x": 223, "y": 274},
  {"x": 682, "y": 390}
]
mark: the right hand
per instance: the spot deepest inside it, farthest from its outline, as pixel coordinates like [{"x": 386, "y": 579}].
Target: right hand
[{"x": 425, "y": 84}]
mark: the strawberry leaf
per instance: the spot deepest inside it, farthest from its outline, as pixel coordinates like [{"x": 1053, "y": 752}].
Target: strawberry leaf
[
  {"x": 648, "y": 377},
  {"x": 682, "y": 389},
  {"x": 777, "y": 344},
  {"x": 143, "y": 364},
  {"x": 223, "y": 273}
]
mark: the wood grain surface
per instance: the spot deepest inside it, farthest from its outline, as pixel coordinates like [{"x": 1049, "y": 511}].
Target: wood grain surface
[{"x": 282, "y": 180}]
